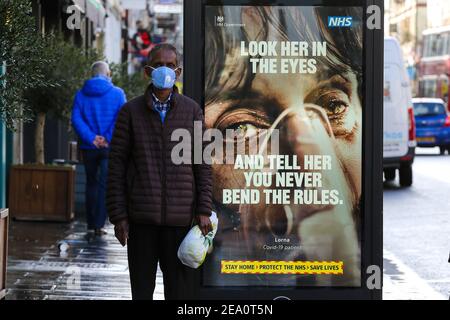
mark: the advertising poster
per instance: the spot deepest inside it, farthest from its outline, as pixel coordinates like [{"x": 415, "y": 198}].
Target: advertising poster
[{"x": 284, "y": 86}]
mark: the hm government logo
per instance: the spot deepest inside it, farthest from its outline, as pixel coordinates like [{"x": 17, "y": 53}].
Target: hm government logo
[
  {"x": 219, "y": 21},
  {"x": 340, "y": 22}
]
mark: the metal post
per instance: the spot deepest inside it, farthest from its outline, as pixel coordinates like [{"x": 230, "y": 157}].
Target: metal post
[
  {"x": 6, "y": 152},
  {"x": 2, "y": 152}
]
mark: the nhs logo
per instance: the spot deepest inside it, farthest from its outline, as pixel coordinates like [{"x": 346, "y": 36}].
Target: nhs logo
[{"x": 340, "y": 22}]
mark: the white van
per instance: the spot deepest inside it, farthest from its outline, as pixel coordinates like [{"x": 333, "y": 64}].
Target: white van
[{"x": 399, "y": 127}]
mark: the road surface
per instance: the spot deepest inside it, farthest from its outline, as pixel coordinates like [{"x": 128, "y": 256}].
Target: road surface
[{"x": 417, "y": 231}]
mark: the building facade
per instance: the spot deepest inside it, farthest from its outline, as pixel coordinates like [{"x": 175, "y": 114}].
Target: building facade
[
  {"x": 407, "y": 20},
  {"x": 438, "y": 12},
  {"x": 417, "y": 24}
]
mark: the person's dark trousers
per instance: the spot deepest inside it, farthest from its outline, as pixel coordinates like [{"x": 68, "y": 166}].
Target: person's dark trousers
[
  {"x": 146, "y": 246},
  {"x": 96, "y": 167}
]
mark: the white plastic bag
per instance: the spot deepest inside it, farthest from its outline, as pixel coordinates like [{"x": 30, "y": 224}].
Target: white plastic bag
[{"x": 192, "y": 251}]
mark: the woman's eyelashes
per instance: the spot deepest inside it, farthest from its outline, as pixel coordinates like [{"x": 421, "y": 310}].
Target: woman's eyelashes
[
  {"x": 243, "y": 123},
  {"x": 338, "y": 109},
  {"x": 244, "y": 130},
  {"x": 336, "y": 105}
]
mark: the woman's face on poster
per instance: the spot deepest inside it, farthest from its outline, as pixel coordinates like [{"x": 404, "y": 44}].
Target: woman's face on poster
[{"x": 315, "y": 115}]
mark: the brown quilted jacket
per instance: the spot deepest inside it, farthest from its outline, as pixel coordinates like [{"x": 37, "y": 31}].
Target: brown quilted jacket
[{"x": 144, "y": 185}]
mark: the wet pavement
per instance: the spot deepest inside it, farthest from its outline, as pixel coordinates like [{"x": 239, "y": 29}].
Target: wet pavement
[
  {"x": 416, "y": 248},
  {"x": 91, "y": 268},
  {"x": 416, "y": 230}
]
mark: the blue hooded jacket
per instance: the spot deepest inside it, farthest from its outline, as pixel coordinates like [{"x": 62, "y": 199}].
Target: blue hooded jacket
[{"x": 95, "y": 110}]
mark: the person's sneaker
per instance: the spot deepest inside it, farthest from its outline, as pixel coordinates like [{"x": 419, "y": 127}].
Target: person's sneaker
[{"x": 101, "y": 232}]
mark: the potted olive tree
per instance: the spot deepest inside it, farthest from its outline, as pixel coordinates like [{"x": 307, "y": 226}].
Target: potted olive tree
[
  {"x": 21, "y": 49},
  {"x": 41, "y": 191}
]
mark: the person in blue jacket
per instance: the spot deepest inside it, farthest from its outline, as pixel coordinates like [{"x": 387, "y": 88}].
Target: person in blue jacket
[{"x": 94, "y": 114}]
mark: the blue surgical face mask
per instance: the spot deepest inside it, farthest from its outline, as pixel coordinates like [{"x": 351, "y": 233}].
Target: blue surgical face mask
[{"x": 163, "y": 77}]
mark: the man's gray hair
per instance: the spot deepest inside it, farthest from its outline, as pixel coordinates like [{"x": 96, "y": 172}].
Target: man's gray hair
[
  {"x": 100, "y": 68},
  {"x": 160, "y": 47}
]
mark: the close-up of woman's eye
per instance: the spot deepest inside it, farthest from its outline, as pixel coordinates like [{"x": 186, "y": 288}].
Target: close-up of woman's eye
[
  {"x": 337, "y": 107},
  {"x": 244, "y": 130},
  {"x": 244, "y": 123},
  {"x": 335, "y": 103}
]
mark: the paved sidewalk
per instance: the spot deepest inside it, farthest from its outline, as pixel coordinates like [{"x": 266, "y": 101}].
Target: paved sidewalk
[
  {"x": 91, "y": 268},
  {"x": 96, "y": 268},
  {"x": 402, "y": 283}
]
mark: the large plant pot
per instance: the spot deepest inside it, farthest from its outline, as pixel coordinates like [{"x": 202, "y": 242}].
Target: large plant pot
[
  {"x": 42, "y": 193},
  {"x": 3, "y": 250}
]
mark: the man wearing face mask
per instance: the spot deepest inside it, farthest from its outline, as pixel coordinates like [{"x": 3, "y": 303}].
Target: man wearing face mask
[
  {"x": 94, "y": 113},
  {"x": 152, "y": 201}
]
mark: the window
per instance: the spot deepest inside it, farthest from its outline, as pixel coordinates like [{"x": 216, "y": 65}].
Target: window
[
  {"x": 428, "y": 109},
  {"x": 436, "y": 45},
  {"x": 428, "y": 88}
]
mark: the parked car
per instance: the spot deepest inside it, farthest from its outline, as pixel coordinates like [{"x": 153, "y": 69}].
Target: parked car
[
  {"x": 433, "y": 123},
  {"x": 399, "y": 125}
]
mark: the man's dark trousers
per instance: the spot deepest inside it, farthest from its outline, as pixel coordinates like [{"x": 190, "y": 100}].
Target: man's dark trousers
[
  {"x": 149, "y": 244},
  {"x": 96, "y": 166}
]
